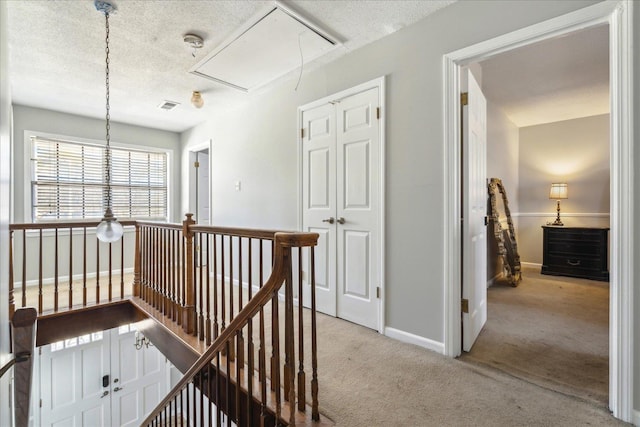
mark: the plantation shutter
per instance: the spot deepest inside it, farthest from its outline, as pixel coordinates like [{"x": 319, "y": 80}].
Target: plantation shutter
[{"x": 68, "y": 181}]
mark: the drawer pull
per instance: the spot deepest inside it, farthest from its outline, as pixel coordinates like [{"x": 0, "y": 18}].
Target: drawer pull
[{"x": 574, "y": 263}]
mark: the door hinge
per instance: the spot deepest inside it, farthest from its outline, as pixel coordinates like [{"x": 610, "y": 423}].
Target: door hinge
[
  {"x": 486, "y": 220},
  {"x": 41, "y": 403},
  {"x": 378, "y": 113},
  {"x": 302, "y": 133},
  {"x": 464, "y": 98},
  {"x": 465, "y": 305},
  {"x": 377, "y": 291},
  {"x": 196, "y": 164}
]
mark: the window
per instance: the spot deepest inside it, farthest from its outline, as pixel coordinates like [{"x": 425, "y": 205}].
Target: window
[{"x": 68, "y": 181}]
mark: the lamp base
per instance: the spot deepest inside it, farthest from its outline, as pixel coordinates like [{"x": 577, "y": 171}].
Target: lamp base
[{"x": 556, "y": 222}]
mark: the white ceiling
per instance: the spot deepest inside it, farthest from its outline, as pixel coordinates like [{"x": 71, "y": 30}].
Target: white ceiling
[
  {"x": 57, "y": 58},
  {"x": 557, "y": 79},
  {"x": 57, "y": 51}
]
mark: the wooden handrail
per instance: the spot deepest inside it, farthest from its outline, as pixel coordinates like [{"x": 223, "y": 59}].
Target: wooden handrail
[
  {"x": 63, "y": 224},
  {"x": 283, "y": 244}
]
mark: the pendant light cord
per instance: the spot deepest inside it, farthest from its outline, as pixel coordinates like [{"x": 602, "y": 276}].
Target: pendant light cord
[{"x": 108, "y": 117}]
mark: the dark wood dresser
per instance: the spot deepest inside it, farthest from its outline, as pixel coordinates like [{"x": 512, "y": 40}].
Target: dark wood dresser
[{"x": 576, "y": 252}]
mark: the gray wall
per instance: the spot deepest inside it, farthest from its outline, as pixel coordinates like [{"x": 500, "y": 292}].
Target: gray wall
[
  {"x": 572, "y": 151},
  {"x": 5, "y": 205},
  {"x": 256, "y": 143},
  {"x": 36, "y": 119},
  {"x": 636, "y": 206},
  {"x": 502, "y": 162}
]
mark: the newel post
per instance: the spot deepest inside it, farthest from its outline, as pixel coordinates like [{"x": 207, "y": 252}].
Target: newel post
[
  {"x": 12, "y": 302},
  {"x": 189, "y": 308},
  {"x": 137, "y": 264}
]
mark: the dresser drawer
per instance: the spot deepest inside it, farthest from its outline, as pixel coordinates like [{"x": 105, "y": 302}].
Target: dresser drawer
[{"x": 575, "y": 251}]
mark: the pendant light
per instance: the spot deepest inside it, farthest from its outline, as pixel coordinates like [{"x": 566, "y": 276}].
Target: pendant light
[{"x": 109, "y": 230}]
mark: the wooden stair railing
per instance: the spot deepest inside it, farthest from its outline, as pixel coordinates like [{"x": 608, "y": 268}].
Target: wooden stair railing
[
  {"x": 220, "y": 384},
  {"x": 202, "y": 278},
  {"x": 23, "y": 325}
]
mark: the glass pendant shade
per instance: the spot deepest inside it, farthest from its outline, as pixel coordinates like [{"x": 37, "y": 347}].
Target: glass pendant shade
[{"x": 109, "y": 230}]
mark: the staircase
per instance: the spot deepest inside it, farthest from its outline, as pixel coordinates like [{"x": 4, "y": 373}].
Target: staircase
[{"x": 225, "y": 305}]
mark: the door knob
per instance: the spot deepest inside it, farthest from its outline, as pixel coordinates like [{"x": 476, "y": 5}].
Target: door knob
[
  {"x": 330, "y": 220},
  {"x": 341, "y": 220},
  {"x": 104, "y": 393},
  {"x": 117, "y": 389}
]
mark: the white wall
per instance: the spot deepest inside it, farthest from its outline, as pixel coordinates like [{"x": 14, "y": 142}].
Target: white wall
[
  {"x": 256, "y": 143},
  {"x": 636, "y": 206},
  {"x": 572, "y": 151},
  {"x": 46, "y": 121},
  {"x": 503, "y": 151},
  {"x": 5, "y": 205}
]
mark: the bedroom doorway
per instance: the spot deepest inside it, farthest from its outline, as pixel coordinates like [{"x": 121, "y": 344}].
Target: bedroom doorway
[{"x": 616, "y": 15}]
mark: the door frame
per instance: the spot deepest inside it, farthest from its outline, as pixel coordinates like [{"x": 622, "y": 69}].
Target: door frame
[
  {"x": 193, "y": 150},
  {"x": 619, "y": 16},
  {"x": 381, "y": 256}
]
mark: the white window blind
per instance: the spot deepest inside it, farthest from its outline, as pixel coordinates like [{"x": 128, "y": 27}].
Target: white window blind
[{"x": 69, "y": 181}]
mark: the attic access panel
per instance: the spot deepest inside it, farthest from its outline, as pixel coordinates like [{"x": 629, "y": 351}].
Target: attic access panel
[{"x": 265, "y": 49}]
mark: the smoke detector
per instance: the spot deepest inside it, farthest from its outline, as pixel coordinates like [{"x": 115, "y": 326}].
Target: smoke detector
[{"x": 194, "y": 41}]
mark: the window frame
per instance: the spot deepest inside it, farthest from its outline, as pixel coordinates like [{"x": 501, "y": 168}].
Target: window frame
[{"x": 28, "y": 172}]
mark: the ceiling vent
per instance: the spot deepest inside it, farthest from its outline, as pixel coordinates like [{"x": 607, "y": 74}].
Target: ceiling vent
[
  {"x": 168, "y": 105},
  {"x": 273, "y": 43}
]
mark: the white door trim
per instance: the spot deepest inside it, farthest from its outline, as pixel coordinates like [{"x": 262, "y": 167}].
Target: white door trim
[
  {"x": 208, "y": 144},
  {"x": 619, "y": 16},
  {"x": 375, "y": 83}
]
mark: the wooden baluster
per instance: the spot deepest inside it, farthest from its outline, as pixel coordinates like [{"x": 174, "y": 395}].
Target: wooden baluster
[
  {"x": 55, "y": 274},
  {"x": 250, "y": 349},
  {"x": 215, "y": 287},
  {"x": 24, "y": 273},
  {"x": 165, "y": 272},
  {"x": 97, "y": 271},
  {"x": 301, "y": 375},
  {"x": 289, "y": 386},
  {"x": 110, "y": 271},
  {"x": 228, "y": 382},
  {"x": 262, "y": 362},
  {"x": 156, "y": 262},
  {"x": 218, "y": 403},
  {"x": 24, "y": 268},
  {"x": 188, "y": 418},
  {"x": 122, "y": 267},
  {"x": 231, "y": 305},
  {"x": 238, "y": 382},
  {"x": 222, "y": 290},
  {"x": 201, "y": 388},
  {"x": 84, "y": 266},
  {"x": 189, "y": 314},
  {"x": 240, "y": 342},
  {"x": 12, "y": 302},
  {"x": 183, "y": 270},
  {"x": 137, "y": 263},
  {"x": 315, "y": 414},
  {"x": 201, "y": 335},
  {"x": 172, "y": 273},
  {"x": 208, "y": 321},
  {"x": 70, "y": 267},
  {"x": 275, "y": 356},
  {"x": 144, "y": 263}
]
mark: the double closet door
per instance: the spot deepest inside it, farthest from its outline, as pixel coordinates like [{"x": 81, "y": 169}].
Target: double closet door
[{"x": 341, "y": 202}]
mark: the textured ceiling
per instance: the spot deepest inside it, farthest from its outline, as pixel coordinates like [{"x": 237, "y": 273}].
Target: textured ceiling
[
  {"x": 57, "y": 51},
  {"x": 557, "y": 79}
]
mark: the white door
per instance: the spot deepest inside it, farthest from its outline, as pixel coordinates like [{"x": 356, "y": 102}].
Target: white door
[
  {"x": 319, "y": 198},
  {"x": 474, "y": 210},
  {"x": 341, "y": 187},
  {"x": 71, "y": 375},
  {"x": 139, "y": 379},
  {"x": 357, "y": 222},
  {"x": 202, "y": 197},
  {"x": 100, "y": 379}
]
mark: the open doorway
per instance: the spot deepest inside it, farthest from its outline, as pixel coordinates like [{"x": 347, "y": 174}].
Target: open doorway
[
  {"x": 548, "y": 122},
  {"x": 199, "y": 186},
  {"x": 621, "y": 304}
]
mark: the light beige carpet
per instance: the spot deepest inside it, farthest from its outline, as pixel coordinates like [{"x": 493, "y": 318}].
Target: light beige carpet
[{"x": 550, "y": 330}]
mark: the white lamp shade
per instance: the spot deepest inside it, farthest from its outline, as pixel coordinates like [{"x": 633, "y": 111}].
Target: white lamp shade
[
  {"x": 109, "y": 230},
  {"x": 559, "y": 191}
]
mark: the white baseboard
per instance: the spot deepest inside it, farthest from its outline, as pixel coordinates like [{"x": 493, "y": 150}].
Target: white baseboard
[
  {"x": 410, "y": 338},
  {"x": 76, "y": 277},
  {"x": 636, "y": 418},
  {"x": 531, "y": 264}
]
